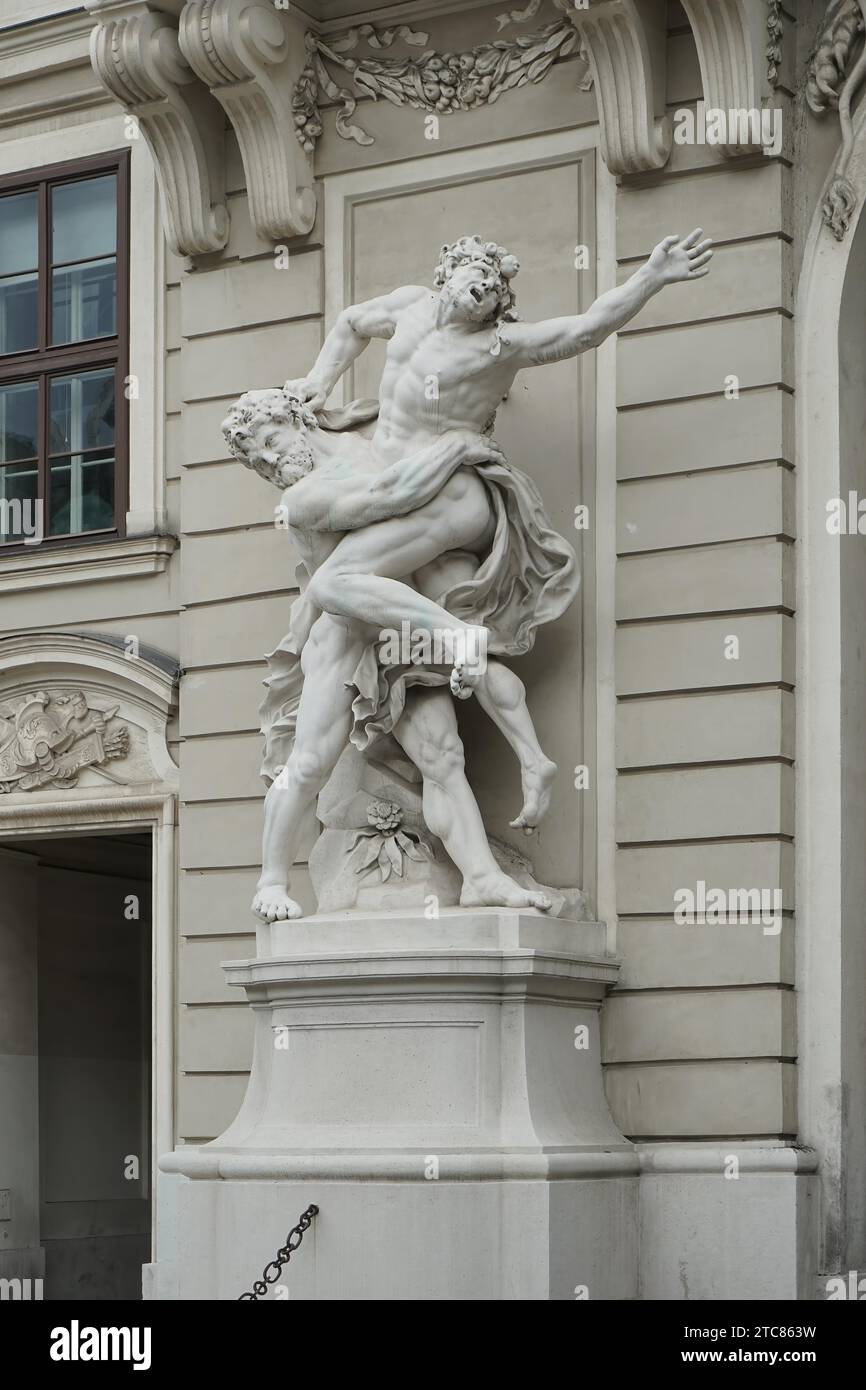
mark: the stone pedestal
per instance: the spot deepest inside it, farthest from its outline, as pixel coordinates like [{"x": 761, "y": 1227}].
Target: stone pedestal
[{"x": 435, "y": 1088}]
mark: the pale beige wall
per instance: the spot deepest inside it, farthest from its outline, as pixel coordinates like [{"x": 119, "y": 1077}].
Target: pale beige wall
[
  {"x": 699, "y": 1039},
  {"x": 20, "y": 11},
  {"x": 234, "y": 322},
  {"x": 705, "y": 524},
  {"x": 705, "y": 543}
]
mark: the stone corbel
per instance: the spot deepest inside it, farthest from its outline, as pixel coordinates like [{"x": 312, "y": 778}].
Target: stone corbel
[
  {"x": 625, "y": 44},
  {"x": 135, "y": 54},
  {"x": 250, "y": 54},
  {"x": 731, "y": 39}
]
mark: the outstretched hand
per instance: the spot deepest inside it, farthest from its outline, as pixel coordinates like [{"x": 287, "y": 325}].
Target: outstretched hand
[{"x": 686, "y": 258}]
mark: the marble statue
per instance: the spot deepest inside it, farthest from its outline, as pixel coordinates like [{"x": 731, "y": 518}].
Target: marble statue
[{"x": 421, "y": 522}]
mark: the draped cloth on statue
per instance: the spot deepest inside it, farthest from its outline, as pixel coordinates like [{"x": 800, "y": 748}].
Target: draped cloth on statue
[{"x": 528, "y": 577}]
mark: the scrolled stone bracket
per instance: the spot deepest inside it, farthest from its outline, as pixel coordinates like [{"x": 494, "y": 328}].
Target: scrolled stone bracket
[
  {"x": 731, "y": 39},
  {"x": 135, "y": 53},
  {"x": 625, "y": 44},
  {"x": 250, "y": 55}
]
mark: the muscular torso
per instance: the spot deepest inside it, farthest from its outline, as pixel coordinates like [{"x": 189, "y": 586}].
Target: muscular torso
[{"x": 435, "y": 379}]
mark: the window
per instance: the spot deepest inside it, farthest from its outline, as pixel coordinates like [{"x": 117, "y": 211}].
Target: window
[{"x": 64, "y": 314}]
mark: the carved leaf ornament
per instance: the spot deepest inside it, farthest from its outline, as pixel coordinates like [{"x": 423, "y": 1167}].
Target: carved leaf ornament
[{"x": 382, "y": 844}]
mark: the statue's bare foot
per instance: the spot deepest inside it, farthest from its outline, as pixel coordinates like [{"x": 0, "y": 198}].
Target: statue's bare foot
[
  {"x": 537, "y": 779},
  {"x": 273, "y": 904},
  {"x": 463, "y": 681},
  {"x": 469, "y": 655},
  {"x": 496, "y": 889}
]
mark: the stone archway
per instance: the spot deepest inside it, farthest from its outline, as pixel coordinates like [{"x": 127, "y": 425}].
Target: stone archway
[
  {"x": 83, "y": 750},
  {"x": 830, "y": 934}
]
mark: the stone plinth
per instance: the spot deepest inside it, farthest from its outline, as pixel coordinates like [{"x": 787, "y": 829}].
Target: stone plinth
[{"x": 435, "y": 1088}]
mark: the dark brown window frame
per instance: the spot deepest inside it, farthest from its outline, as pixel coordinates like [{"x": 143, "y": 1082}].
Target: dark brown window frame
[{"x": 44, "y": 362}]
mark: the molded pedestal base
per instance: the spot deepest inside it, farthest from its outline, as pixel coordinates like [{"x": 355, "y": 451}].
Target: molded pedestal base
[{"x": 435, "y": 1088}]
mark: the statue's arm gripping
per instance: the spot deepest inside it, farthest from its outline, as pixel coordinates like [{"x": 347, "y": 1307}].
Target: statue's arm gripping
[{"x": 349, "y": 502}]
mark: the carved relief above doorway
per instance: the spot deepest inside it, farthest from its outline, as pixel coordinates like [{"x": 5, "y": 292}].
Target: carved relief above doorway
[{"x": 83, "y": 712}]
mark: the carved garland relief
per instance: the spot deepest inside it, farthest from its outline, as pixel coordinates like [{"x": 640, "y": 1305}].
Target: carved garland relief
[{"x": 439, "y": 83}]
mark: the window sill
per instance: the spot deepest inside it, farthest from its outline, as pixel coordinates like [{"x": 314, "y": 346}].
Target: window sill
[{"x": 46, "y": 567}]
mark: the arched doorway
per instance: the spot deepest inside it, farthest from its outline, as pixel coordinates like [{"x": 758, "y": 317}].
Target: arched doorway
[
  {"x": 87, "y": 955},
  {"x": 831, "y": 723}
]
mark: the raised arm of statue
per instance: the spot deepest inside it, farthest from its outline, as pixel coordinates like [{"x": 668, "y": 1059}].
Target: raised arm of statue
[
  {"x": 352, "y": 331},
  {"x": 674, "y": 259}
]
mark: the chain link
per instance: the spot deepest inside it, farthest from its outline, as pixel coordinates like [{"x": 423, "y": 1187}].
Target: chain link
[{"x": 284, "y": 1254}]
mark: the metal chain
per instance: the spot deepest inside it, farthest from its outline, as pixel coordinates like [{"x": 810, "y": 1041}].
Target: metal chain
[{"x": 284, "y": 1254}]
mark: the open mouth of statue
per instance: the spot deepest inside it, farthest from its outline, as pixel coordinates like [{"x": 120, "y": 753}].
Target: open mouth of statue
[{"x": 476, "y": 293}]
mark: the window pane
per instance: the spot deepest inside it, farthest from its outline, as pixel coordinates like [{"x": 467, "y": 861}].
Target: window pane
[
  {"x": 19, "y": 516},
  {"x": 18, "y": 300},
  {"x": 82, "y": 494},
  {"x": 84, "y": 303},
  {"x": 18, "y": 417},
  {"x": 82, "y": 411},
  {"x": 84, "y": 219},
  {"x": 19, "y": 245}
]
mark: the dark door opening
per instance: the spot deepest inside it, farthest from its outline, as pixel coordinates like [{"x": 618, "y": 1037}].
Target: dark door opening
[{"x": 75, "y": 1063}]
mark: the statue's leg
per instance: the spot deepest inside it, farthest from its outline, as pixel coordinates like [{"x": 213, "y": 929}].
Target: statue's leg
[
  {"x": 330, "y": 656},
  {"x": 502, "y": 696},
  {"x": 427, "y": 731},
  {"x": 361, "y": 578}
]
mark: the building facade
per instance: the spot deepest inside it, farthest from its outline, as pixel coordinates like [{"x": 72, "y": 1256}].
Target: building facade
[{"x": 190, "y": 192}]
